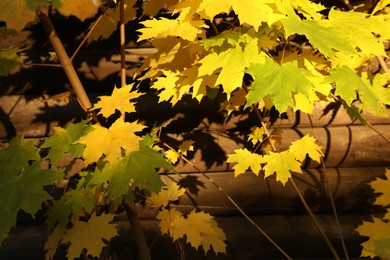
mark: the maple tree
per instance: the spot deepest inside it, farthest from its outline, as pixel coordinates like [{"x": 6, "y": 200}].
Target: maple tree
[{"x": 258, "y": 55}]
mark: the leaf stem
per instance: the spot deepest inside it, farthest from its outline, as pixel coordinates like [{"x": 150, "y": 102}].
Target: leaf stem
[{"x": 233, "y": 202}]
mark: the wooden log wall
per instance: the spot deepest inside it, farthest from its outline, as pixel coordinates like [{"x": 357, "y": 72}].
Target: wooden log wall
[{"x": 354, "y": 154}]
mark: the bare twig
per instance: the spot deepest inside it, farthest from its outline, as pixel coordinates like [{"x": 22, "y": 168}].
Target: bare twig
[
  {"x": 383, "y": 64},
  {"x": 122, "y": 43},
  {"x": 329, "y": 191}
]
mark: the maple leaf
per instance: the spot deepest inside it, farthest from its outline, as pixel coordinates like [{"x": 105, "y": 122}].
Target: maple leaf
[
  {"x": 245, "y": 159},
  {"x": 90, "y": 235},
  {"x": 108, "y": 23},
  {"x": 16, "y": 156},
  {"x": 119, "y": 99},
  {"x": 360, "y": 29},
  {"x": 139, "y": 167},
  {"x": 110, "y": 141},
  {"x": 58, "y": 213},
  {"x": 53, "y": 241},
  {"x": 381, "y": 4},
  {"x": 172, "y": 192},
  {"x": 63, "y": 141},
  {"x": 166, "y": 216},
  {"x": 172, "y": 156},
  {"x": 282, "y": 164},
  {"x": 80, "y": 200},
  {"x": 378, "y": 243},
  {"x": 163, "y": 27},
  {"x": 382, "y": 186},
  {"x": 152, "y": 7},
  {"x": 8, "y": 60},
  {"x": 186, "y": 146},
  {"x": 21, "y": 188},
  {"x": 256, "y": 134},
  {"x": 280, "y": 82},
  {"x": 82, "y": 9},
  {"x": 321, "y": 34},
  {"x": 306, "y": 146},
  {"x": 17, "y": 13},
  {"x": 200, "y": 229},
  {"x": 234, "y": 56},
  {"x": 348, "y": 84}
]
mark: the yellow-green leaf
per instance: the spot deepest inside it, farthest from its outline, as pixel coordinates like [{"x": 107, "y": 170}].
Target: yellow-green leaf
[
  {"x": 82, "y": 9},
  {"x": 306, "y": 146},
  {"x": 382, "y": 186},
  {"x": 90, "y": 235},
  {"x": 282, "y": 164},
  {"x": 245, "y": 159},
  {"x": 169, "y": 193}
]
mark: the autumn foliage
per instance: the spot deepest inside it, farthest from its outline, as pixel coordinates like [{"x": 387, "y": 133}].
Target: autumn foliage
[{"x": 259, "y": 55}]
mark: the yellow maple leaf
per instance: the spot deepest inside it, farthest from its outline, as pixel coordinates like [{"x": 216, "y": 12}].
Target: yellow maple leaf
[
  {"x": 82, "y": 9},
  {"x": 282, "y": 164},
  {"x": 200, "y": 229},
  {"x": 90, "y": 235},
  {"x": 378, "y": 243},
  {"x": 110, "y": 141},
  {"x": 245, "y": 159},
  {"x": 186, "y": 146},
  {"x": 166, "y": 217},
  {"x": 163, "y": 27},
  {"x": 172, "y": 156},
  {"x": 382, "y": 186},
  {"x": 256, "y": 134},
  {"x": 119, "y": 99},
  {"x": 53, "y": 241},
  {"x": 172, "y": 192},
  {"x": 109, "y": 21},
  {"x": 306, "y": 146}
]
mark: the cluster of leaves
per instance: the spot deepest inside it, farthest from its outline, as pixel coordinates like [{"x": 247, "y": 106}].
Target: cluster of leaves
[
  {"x": 258, "y": 54},
  {"x": 378, "y": 230}
]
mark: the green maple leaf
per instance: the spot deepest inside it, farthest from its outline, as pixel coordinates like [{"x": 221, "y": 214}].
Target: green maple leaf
[
  {"x": 80, "y": 200},
  {"x": 361, "y": 30},
  {"x": 245, "y": 159},
  {"x": 280, "y": 83},
  {"x": 63, "y": 141},
  {"x": 22, "y": 189},
  {"x": 58, "y": 213},
  {"x": 17, "y": 155},
  {"x": 321, "y": 34},
  {"x": 348, "y": 84},
  {"x": 138, "y": 167},
  {"x": 282, "y": 164},
  {"x": 90, "y": 235},
  {"x": 8, "y": 60}
]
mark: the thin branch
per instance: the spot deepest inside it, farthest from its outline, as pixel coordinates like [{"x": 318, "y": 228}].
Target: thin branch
[
  {"x": 310, "y": 212},
  {"x": 86, "y": 36},
  {"x": 329, "y": 191},
  {"x": 122, "y": 43},
  {"x": 233, "y": 202},
  {"x": 41, "y": 65},
  {"x": 383, "y": 64}
]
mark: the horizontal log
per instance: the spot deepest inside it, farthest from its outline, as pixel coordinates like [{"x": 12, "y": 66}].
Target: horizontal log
[
  {"x": 296, "y": 234},
  {"x": 256, "y": 195},
  {"x": 31, "y": 117}
]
